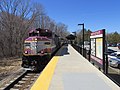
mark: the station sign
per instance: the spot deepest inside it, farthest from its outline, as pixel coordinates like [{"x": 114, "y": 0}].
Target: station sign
[{"x": 97, "y": 48}]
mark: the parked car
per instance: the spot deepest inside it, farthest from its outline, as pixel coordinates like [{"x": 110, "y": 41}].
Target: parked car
[
  {"x": 109, "y": 51},
  {"x": 118, "y": 45},
  {"x": 114, "y": 59},
  {"x": 112, "y": 45}
]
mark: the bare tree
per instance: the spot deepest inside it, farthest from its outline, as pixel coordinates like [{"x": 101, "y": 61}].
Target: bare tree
[
  {"x": 45, "y": 22},
  {"x": 16, "y": 17},
  {"x": 61, "y": 30},
  {"x": 40, "y": 14}
]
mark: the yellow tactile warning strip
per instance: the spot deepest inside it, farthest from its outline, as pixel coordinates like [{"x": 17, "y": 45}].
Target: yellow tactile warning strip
[{"x": 42, "y": 83}]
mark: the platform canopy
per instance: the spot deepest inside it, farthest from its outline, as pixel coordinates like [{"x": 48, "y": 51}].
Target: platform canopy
[{"x": 71, "y": 37}]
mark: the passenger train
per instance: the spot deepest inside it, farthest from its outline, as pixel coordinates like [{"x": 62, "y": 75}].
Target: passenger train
[{"x": 38, "y": 48}]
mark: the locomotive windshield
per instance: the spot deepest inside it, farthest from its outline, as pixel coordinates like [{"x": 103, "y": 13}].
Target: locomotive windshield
[
  {"x": 27, "y": 45},
  {"x": 47, "y": 43}
]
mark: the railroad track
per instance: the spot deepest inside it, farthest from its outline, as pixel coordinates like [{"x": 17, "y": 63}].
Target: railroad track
[{"x": 22, "y": 82}]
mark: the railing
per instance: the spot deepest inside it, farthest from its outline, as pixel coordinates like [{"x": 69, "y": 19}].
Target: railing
[
  {"x": 86, "y": 53},
  {"x": 82, "y": 51}
]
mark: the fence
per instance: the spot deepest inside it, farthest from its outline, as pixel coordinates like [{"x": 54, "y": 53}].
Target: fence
[
  {"x": 86, "y": 53},
  {"x": 83, "y": 51}
]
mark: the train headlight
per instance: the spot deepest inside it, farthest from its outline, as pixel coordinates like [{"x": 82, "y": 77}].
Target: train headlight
[
  {"x": 35, "y": 39},
  {"x": 26, "y": 52},
  {"x": 42, "y": 52}
]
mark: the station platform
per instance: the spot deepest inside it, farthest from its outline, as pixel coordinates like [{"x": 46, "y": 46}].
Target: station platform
[{"x": 68, "y": 70}]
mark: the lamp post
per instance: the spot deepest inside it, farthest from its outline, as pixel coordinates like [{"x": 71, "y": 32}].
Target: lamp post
[
  {"x": 83, "y": 36},
  {"x": 75, "y": 42}
]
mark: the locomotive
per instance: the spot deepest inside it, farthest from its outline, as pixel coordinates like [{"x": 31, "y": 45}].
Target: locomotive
[{"x": 38, "y": 48}]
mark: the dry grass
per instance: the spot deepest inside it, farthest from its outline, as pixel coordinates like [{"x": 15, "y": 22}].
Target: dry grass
[{"x": 9, "y": 66}]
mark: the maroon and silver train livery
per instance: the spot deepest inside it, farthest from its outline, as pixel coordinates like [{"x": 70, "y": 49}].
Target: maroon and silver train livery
[{"x": 38, "y": 48}]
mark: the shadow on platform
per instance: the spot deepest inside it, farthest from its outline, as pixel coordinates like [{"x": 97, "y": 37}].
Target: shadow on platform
[{"x": 63, "y": 51}]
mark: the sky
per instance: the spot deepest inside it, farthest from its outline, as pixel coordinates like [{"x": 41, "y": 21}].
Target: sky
[{"x": 95, "y": 14}]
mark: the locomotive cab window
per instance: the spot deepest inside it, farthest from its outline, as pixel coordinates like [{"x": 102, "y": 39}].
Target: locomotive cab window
[
  {"x": 47, "y": 43},
  {"x": 27, "y": 45}
]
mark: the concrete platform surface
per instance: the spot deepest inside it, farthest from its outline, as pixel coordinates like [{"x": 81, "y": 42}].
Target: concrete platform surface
[{"x": 74, "y": 72}]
